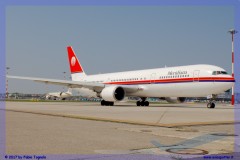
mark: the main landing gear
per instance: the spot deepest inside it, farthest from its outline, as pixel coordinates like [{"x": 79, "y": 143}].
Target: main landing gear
[
  {"x": 143, "y": 102},
  {"x": 107, "y": 103}
]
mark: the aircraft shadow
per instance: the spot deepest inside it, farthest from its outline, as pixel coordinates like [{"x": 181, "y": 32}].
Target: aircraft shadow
[{"x": 172, "y": 106}]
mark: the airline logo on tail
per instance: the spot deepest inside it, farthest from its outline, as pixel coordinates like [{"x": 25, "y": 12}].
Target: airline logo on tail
[
  {"x": 73, "y": 61},
  {"x": 75, "y": 66}
]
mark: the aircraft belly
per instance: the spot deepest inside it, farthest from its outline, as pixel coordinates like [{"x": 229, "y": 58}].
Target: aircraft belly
[{"x": 193, "y": 89}]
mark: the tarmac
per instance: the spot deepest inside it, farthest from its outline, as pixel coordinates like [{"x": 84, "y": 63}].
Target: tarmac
[{"x": 89, "y": 128}]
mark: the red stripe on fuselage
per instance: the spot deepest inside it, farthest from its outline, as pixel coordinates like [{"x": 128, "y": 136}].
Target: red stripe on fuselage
[{"x": 173, "y": 80}]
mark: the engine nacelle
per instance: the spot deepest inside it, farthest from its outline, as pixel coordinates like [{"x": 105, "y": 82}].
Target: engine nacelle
[
  {"x": 175, "y": 99},
  {"x": 113, "y": 93}
]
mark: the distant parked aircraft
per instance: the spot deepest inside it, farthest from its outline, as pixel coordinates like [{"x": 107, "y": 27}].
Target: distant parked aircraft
[{"x": 59, "y": 95}]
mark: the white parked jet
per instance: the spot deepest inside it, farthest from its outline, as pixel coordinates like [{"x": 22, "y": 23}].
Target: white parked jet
[
  {"x": 59, "y": 95},
  {"x": 172, "y": 83}
]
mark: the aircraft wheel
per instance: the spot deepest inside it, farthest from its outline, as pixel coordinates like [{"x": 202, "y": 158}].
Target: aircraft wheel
[
  {"x": 146, "y": 103},
  {"x": 106, "y": 103},
  {"x": 208, "y": 105},
  {"x": 138, "y": 103},
  {"x": 102, "y": 103},
  {"x": 211, "y": 105},
  {"x": 142, "y": 103}
]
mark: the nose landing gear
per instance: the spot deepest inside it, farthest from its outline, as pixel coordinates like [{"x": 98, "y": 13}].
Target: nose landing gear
[
  {"x": 211, "y": 103},
  {"x": 143, "y": 102}
]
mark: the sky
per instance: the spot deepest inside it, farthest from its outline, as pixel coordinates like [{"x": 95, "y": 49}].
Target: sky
[{"x": 111, "y": 39}]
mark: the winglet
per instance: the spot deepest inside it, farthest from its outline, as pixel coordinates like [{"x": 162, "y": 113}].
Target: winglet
[{"x": 75, "y": 66}]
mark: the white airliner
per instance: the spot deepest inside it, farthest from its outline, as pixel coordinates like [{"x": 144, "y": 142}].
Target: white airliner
[
  {"x": 59, "y": 95},
  {"x": 172, "y": 83}
]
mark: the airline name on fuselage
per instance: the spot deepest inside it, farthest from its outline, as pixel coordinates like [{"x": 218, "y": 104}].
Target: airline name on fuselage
[{"x": 176, "y": 72}]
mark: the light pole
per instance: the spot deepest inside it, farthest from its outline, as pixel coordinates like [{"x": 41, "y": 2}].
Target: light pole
[
  {"x": 7, "y": 68},
  {"x": 232, "y": 32},
  {"x": 64, "y": 76}
]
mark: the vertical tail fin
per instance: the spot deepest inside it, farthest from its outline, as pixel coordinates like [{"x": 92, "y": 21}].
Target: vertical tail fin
[{"x": 76, "y": 69}]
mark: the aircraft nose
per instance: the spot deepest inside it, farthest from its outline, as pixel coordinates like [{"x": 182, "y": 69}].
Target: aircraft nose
[{"x": 229, "y": 77}]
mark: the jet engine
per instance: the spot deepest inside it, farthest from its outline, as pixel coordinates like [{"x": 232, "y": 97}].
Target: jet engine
[
  {"x": 175, "y": 99},
  {"x": 113, "y": 93}
]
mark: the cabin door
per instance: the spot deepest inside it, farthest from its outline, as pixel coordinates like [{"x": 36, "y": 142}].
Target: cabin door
[
  {"x": 153, "y": 78},
  {"x": 196, "y": 76}
]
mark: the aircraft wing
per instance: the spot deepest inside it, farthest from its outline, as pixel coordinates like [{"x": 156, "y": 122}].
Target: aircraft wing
[{"x": 97, "y": 87}]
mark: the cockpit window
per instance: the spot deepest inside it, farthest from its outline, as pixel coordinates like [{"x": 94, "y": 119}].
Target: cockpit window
[
  {"x": 219, "y": 72},
  {"x": 223, "y": 72}
]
